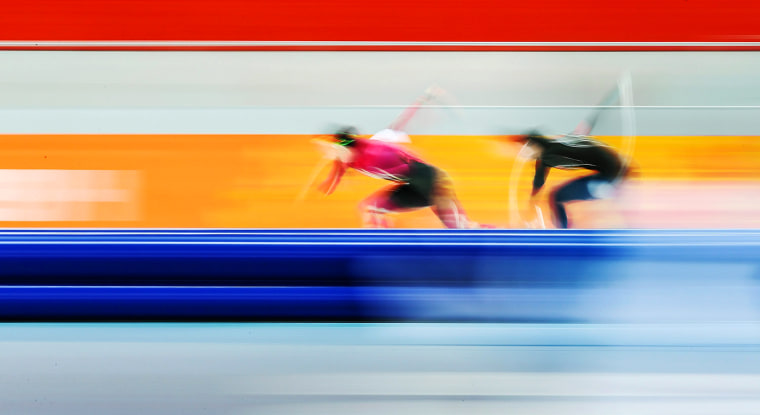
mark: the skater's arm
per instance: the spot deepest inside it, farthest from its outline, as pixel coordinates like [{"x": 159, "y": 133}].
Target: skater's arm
[
  {"x": 585, "y": 126},
  {"x": 332, "y": 180},
  {"x": 400, "y": 123}
]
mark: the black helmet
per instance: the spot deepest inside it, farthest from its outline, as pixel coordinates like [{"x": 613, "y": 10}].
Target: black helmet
[
  {"x": 535, "y": 137},
  {"x": 346, "y": 136}
]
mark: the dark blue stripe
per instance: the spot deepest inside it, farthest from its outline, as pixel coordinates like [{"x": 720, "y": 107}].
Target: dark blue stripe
[{"x": 337, "y": 274}]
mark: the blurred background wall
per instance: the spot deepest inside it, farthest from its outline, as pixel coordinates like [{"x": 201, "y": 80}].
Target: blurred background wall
[
  {"x": 223, "y": 138},
  {"x": 199, "y": 114}
]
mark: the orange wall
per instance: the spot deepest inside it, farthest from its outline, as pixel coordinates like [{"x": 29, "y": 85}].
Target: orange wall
[{"x": 255, "y": 180}]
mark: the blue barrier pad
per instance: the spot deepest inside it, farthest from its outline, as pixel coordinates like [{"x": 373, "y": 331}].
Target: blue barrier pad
[{"x": 367, "y": 275}]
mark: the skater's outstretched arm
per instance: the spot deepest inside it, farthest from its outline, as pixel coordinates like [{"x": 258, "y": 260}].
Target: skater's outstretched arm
[
  {"x": 400, "y": 123},
  {"x": 585, "y": 126},
  {"x": 331, "y": 182}
]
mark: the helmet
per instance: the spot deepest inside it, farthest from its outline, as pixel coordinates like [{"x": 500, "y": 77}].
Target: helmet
[
  {"x": 535, "y": 137},
  {"x": 346, "y": 136}
]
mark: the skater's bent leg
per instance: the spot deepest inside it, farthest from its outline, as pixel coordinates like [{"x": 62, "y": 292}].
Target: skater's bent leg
[
  {"x": 573, "y": 190},
  {"x": 392, "y": 199},
  {"x": 446, "y": 204},
  {"x": 374, "y": 209},
  {"x": 451, "y": 213}
]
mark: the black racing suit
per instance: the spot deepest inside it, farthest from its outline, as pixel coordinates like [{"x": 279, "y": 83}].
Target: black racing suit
[{"x": 578, "y": 152}]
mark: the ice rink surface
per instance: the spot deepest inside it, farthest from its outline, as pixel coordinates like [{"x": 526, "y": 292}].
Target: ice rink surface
[{"x": 195, "y": 368}]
